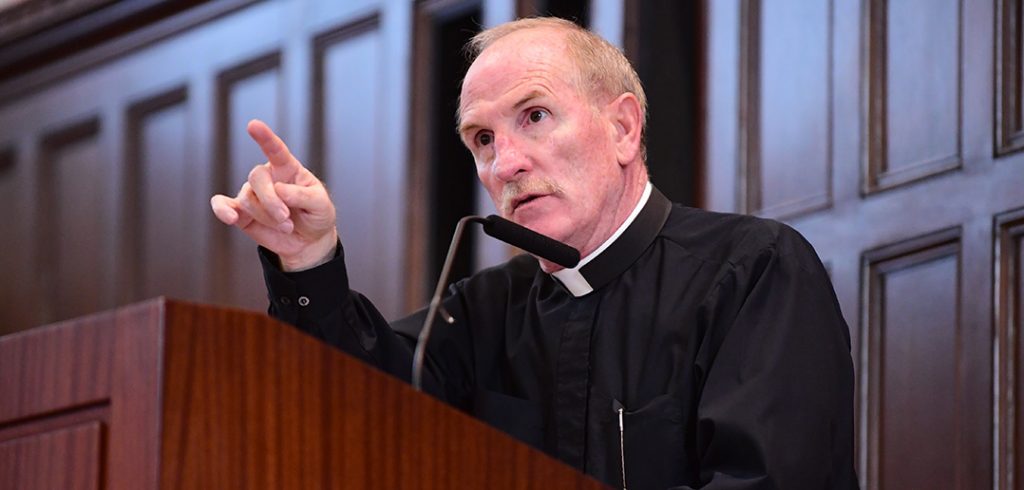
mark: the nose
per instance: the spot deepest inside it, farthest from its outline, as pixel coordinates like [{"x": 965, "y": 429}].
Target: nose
[{"x": 509, "y": 159}]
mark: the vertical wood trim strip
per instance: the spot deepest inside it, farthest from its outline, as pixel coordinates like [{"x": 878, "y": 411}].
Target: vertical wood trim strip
[
  {"x": 1008, "y": 232},
  {"x": 875, "y": 64},
  {"x": 1007, "y": 123},
  {"x": 749, "y": 180},
  {"x": 420, "y": 173}
]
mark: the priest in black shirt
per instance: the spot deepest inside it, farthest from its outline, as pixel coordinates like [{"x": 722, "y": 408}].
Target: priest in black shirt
[{"x": 688, "y": 349}]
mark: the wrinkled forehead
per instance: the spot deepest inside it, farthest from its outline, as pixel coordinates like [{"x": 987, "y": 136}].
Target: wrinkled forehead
[{"x": 521, "y": 54}]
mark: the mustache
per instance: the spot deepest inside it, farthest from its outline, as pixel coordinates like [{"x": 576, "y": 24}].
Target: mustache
[{"x": 514, "y": 189}]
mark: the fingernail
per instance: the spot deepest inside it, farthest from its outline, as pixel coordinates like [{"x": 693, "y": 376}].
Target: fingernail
[
  {"x": 282, "y": 213},
  {"x": 286, "y": 226}
]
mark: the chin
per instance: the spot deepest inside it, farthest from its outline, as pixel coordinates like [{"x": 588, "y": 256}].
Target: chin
[{"x": 552, "y": 228}]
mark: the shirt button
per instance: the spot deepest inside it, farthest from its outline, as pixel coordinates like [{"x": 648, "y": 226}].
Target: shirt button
[
  {"x": 303, "y": 301},
  {"x": 286, "y": 300}
]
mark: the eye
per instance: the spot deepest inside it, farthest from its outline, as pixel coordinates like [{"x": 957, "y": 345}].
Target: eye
[
  {"x": 538, "y": 115},
  {"x": 484, "y": 138}
]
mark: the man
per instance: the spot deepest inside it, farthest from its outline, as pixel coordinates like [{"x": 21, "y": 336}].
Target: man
[{"x": 688, "y": 350}]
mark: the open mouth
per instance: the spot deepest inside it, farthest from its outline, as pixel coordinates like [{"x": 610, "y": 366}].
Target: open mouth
[{"x": 523, "y": 200}]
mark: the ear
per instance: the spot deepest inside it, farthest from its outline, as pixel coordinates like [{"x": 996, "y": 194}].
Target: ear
[{"x": 627, "y": 122}]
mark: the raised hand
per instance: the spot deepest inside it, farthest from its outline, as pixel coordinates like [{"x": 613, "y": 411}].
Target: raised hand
[{"x": 282, "y": 206}]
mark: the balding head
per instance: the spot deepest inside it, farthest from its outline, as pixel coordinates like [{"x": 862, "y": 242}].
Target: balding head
[{"x": 602, "y": 70}]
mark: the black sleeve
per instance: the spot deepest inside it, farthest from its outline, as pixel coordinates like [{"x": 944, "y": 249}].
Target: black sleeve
[
  {"x": 320, "y": 303},
  {"x": 776, "y": 411}
]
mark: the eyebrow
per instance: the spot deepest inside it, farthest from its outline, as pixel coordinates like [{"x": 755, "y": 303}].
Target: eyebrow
[{"x": 533, "y": 94}]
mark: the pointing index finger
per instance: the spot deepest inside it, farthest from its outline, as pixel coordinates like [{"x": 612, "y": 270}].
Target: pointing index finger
[{"x": 272, "y": 146}]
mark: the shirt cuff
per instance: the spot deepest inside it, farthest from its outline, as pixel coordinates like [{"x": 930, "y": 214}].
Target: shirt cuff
[{"x": 312, "y": 293}]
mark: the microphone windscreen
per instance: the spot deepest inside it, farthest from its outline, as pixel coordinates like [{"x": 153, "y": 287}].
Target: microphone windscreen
[{"x": 539, "y": 245}]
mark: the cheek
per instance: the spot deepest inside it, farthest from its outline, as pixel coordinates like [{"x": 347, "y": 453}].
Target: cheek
[
  {"x": 568, "y": 147},
  {"x": 483, "y": 172}
]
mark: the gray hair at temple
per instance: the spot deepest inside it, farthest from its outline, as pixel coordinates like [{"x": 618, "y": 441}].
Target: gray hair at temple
[{"x": 602, "y": 66}]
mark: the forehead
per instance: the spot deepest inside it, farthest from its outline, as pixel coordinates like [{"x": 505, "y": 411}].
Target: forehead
[{"x": 531, "y": 56}]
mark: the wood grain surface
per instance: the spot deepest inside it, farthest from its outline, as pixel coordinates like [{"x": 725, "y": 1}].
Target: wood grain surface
[{"x": 168, "y": 394}]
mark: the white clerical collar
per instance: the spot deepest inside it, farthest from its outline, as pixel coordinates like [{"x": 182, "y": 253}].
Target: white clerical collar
[{"x": 574, "y": 279}]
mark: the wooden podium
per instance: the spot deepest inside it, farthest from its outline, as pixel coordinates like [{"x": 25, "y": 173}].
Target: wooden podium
[{"x": 168, "y": 395}]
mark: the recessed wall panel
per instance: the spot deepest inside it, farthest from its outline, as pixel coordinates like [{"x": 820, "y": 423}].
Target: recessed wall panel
[
  {"x": 70, "y": 458},
  {"x": 913, "y": 355},
  {"x": 249, "y": 91},
  {"x": 352, "y": 132},
  {"x": 924, "y": 82},
  {"x": 792, "y": 173},
  {"x": 1009, "y": 111},
  {"x": 914, "y": 93},
  {"x": 163, "y": 230},
  {"x": 74, "y": 204}
]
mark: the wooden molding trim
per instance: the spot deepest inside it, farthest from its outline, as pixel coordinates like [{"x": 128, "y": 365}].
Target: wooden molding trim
[
  {"x": 35, "y": 61},
  {"x": 1009, "y": 128},
  {"x": 1008, "y": 240},
  {"x": 748, "y": 175}
]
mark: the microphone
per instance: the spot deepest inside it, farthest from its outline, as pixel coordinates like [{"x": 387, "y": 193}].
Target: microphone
[
  {"x": 511, "y": 233},
  {"x": 539, "y": 245}
]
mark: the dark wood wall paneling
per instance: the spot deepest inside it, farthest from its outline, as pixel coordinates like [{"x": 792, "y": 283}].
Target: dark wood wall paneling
[
  {"x": 74, "y": 200},
  {"x": 349, "y": 133},
  {"x": 110, "y": 154},
  {"x": 785, "y": 69},
  {"x": 914, "y": 93},
  {"x": 921, "y": 117},
  {"x": 46, "y": 42},
  {"x": 442, "y": 172},
  {"x": 576, "y": 10},
  {"x": 911, "y": 357},
  {"x": 158, "y": 233},
  {"x": 17, "y": 295},
  {"x": 1009, "y": 123},
  {"x": 1009, "y": 382},
  {"x": 249, "y": 90},
  {"x": 1008, "y": 238},
  {"x": 671, "y": 30}
]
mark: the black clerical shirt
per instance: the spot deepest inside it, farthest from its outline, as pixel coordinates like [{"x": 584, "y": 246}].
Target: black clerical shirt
[{"x": 718, "y": 335}]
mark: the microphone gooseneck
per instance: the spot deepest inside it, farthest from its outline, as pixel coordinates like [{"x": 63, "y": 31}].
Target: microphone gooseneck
[
  {"x": 516, "y": 235},
  {"x": 435, "y": 303}
]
